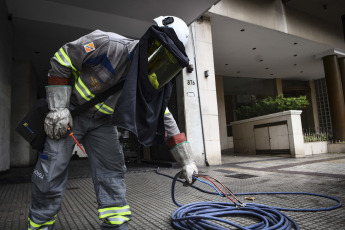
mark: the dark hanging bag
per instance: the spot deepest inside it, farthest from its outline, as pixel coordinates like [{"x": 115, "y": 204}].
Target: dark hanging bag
[{"x": 31, "y": 127}]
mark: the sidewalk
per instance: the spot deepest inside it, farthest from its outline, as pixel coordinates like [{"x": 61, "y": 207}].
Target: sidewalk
[{"x": 149, "y": 193}]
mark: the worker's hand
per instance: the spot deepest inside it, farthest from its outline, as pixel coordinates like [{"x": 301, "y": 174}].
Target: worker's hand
[
  {"x": 187, "y": 173},
  {"x": 56, "y": 123}
]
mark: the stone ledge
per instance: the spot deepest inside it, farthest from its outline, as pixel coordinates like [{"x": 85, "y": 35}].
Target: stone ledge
[{"x": 289, "y": 112}]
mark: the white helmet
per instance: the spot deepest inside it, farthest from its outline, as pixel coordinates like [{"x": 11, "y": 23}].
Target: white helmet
[{"x": 179, "y": 26}]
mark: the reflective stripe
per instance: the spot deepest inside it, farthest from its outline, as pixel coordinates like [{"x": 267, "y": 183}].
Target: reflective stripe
[
  {"x": 101, "y": 109},
  {"x": 34, "y": 226},
  {"x": 114, "y": 211},
  {"x": 107, "y": 107},
  {"x": 87, "y": 95},
  {"x": 83, "y": 90},
  {"x": 76, "y": 75},
  {"x": 104, "y": 108},
  {"x": 86, "y": 89},
  {"x": 79, "y": 85},
  {"x": 166, "y": 111},
  {"x": 117, "y": 220},
  {"x": 59, "y": 59},
  {"x": 113, "y": 208},
  {"x": 64, "y": 59}
]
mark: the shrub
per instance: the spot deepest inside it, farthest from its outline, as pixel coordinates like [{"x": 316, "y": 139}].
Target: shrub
[
  {"x": 271, "y": 105},
  {"x": 314, "y": 137}
]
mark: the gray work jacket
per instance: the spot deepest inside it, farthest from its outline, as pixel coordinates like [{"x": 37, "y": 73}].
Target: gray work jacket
[{"x": 96, "y": 62}]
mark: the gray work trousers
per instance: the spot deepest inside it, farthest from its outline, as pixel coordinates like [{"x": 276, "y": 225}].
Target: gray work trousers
[{"x": 106, "y": 159}]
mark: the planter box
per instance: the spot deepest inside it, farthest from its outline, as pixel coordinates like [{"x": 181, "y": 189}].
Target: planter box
[
  {"x": 273, "y": 133},
  {"x": 312, "y": 148},
  {"x": 336, "y": 148}
]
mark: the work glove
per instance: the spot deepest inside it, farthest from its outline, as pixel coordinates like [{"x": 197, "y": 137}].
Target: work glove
[
  {"x": 187, "y": 173},
  {"x": 59, "y": 118},
  {"x": 182, "y": 152}
]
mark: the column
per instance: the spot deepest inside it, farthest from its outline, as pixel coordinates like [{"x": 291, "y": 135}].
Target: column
[
  {"x": 278, "y": 86},
  {"x": 341, "y": 62},
  {"x": 313, "y": 103},
  {"x": 207, "y": 89},
  {"x": 6, "y": 40},
  {"x": 221, "y": 112},
  {"x": 24, "y": 94},
  {"x": 335, "y": 96},
  {"x": 200, "y": 97}
]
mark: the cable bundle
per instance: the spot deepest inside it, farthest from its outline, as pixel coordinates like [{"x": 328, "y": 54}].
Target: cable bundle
[{"x": 205, "y": 215}]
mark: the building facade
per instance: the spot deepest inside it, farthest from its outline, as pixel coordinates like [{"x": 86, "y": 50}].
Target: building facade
[{"x": 237, "y": 49}]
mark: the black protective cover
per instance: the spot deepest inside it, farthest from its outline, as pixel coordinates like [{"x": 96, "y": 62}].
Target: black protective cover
[{"x": 140, "y": 108}]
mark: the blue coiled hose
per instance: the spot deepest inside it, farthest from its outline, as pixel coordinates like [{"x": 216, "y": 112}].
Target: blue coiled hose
[{"x": 197, "y": 216}]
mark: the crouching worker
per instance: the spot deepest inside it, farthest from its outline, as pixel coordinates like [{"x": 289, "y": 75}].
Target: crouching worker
[{"x": 139, "y": 73}]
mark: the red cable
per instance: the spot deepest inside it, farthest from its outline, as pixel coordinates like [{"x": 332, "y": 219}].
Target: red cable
[{"x": 206, "y": 177}]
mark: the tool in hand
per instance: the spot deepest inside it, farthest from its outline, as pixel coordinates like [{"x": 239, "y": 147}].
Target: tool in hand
[{"x": 71, "y": 134}]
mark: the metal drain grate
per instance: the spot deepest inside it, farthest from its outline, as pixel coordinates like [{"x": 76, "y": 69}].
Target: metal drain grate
[{"x": 241, "y": 176}]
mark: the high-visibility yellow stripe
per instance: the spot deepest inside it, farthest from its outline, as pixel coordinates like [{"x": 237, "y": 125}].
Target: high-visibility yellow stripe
[
  {"x": 85, "y": 88},
  {"x": 81, "y": 92},
  {"x": 118, "y": 214},
  {"x": 33, "y": 224},
  {"x": 117, "y": 220},
  {"x": 101, "y": 110},
  {"x": 114, "y": 212},
  {"x": 67, "y": 58},
  {"x": 59, "y": 59},
  {"x": 90, "y": 95},
  {"x": 75, "y": 76},
  {"x": 107, "y": 107},
  {"x": 113, "y": 208}
]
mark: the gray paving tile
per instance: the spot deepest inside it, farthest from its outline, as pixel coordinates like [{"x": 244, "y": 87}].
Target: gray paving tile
[{"x": 149, "y": 194}]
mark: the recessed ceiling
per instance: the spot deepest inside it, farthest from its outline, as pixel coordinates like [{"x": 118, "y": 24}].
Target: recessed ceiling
[{"x": 246, "y": 50}]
